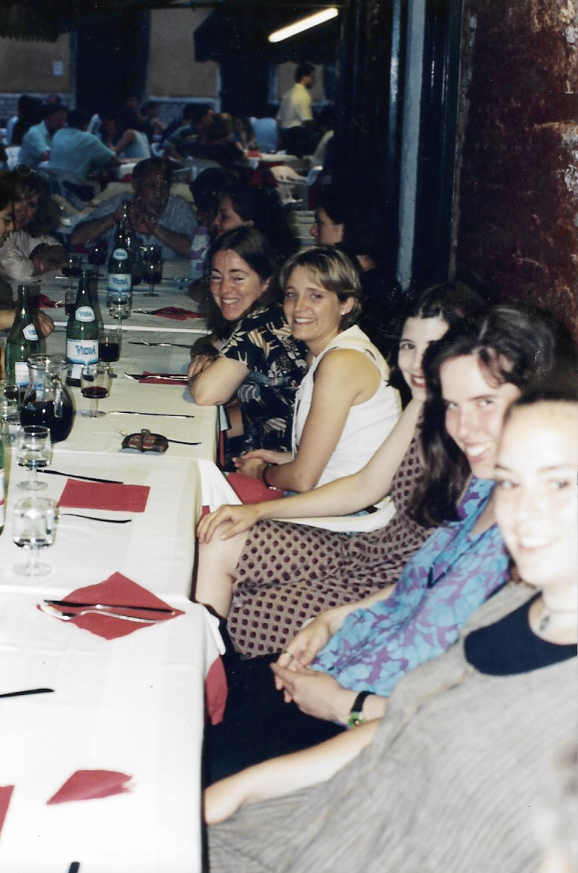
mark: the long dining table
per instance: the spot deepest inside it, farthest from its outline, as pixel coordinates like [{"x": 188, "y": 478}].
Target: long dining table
[{"x": 101, "y": 772}]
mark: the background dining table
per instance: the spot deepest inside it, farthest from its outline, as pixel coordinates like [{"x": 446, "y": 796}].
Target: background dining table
[{"x": 104, "y": 769}]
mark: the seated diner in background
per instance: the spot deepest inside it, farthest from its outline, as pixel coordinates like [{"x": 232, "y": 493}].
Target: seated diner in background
[
  {"x": 484, "y": 723},
  {"x": 157, "y": 216},
  {"x": 78, "y": 152},
  {"x": 258, "y": 362},
  {"x": 248, "y": 205},
  {"x": 350, "y": 566},
  {"x": 345, "y": 405},
  {"x": 31, "y": 250},
  {"x": 37, "y": 141},
  {"x": 473, "y": 373},
  {"x": 44, "y": 323}
]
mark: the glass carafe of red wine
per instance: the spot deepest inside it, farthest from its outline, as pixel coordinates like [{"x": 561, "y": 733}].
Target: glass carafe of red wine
[{"x": 47, "y": 401}]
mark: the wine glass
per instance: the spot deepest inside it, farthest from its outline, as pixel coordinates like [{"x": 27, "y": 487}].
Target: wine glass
[
  {"x": 109, "y": 343},
  {"x": 95, "y": 384},
  {"x": 152, "y": 268},
  {"x": 73, "y": 269},
  {"x": 33, "y": 449},
  {"x": 97, "y": 255},
  {"x": 34, "y": 521}
]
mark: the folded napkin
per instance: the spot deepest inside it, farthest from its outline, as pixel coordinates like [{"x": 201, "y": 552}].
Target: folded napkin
[
  {"x": 116, "y": 589},
  {"x": 250, "y": 490},
  {"x": 5, "y": 795},
  {"x": 167, "y": 378},
  {"x": 216, "y": 690},
  {"x": 104, "y": 495},
  {"x": 90, "y": 785},
  {"x": 44, "y": 302},
  {"x": 176, "y": 313}
]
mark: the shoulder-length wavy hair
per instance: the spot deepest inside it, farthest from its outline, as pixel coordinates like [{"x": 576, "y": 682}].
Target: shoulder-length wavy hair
[
  {"x": 512, "y": 343},
  {"x": 334, "y": 271},
  {"x": 260, "y": 256},
  {"x": 27, "y": 182}
]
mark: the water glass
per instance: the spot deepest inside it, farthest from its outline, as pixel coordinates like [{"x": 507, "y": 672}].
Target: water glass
[
  {"x": 9, "y": 416},
  {"x": 33, "y": 448},
  {"x": 95, "y": 385},
  {"x": 33, "y": 529}
]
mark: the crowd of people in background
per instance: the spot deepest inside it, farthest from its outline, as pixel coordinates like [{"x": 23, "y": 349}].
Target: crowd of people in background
[{"x": 437, "y": 424}]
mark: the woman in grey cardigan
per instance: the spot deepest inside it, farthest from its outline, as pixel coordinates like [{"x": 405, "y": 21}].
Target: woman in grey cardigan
[{"x": 449, "y": 779}]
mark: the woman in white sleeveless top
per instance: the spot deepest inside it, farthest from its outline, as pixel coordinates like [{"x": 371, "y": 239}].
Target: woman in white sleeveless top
[{"x": 345, "y": 406}]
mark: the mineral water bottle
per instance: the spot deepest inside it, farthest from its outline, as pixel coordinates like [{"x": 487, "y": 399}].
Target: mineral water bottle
[
  {"x": 21, "y": 342},
  {"x": 81, "y": 333}
]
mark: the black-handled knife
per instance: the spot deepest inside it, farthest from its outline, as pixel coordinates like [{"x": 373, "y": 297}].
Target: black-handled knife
[{"x": 84, "y": 478}]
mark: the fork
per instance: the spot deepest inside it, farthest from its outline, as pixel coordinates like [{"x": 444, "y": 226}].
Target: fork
[{"x": 94, "y": 610}]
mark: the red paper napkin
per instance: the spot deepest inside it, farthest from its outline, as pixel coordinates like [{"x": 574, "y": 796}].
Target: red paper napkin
[
  {"x": 176, "y": 313},
  {"x": 90, "y": 785},
  {"x": 44, "y": 302},
  {"x": 250, "y": 490},
  {"x": 167, "y": 378},
  {"x": 5, "y": 795},
  {"x": 216, "y": 690},
  {"x": 102, "y": 495},
  {"x": 117, "y": 589}
]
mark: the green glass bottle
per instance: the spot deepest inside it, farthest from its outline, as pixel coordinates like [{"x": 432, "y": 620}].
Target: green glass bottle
[
  {"x": 21, "y": 342},
  {"x": 81, "y": 333},
  {"x": 2, "y": 487},
  {"x": 119, "y": 278}
]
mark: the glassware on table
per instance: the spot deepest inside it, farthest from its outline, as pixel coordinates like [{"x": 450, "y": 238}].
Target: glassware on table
[
  {"x": 33, "y": 449},
  {"x": 9, "y": 413},
  {"x": 95, "y": 385},
  {"x": 33, "y": 529},
  {"x": 70, "y": 301},
  {"x": 152, "y": 268},
  {"x": 97, "y": 255},
  {"x": 47, "y": 401},
  {"x": 109, "y": 344},
  {"x": 72, "y": 269},
  {"x": 119, "y": 304}
]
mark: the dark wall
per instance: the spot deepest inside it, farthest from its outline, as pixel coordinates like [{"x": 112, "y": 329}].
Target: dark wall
[{"x": 518, "y": 198}]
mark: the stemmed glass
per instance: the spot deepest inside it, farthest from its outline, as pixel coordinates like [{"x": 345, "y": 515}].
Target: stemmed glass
[
  {"x": 34, "y": 521},
  {"x": 95, "y": 384},
  {"x": 73, "y": 269},
  {"x": 152, "y": 268},
  {"x": 33, "y": 449},
  {"x": 97, "y": 255}
]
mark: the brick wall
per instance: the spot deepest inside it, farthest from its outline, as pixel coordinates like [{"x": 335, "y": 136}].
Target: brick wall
[{"x": 518, "y": 201}]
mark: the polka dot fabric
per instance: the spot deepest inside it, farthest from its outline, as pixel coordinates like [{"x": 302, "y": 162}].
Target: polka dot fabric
[{"x": 291, "y": 572}]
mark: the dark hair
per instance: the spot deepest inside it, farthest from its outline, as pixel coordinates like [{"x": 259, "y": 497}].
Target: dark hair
[
  {"x": 513, "y": 343},
  {"x": 153, "y": 165},
  {"x": 334, "y": 271},
  {"x": 29, "y": 113},
  {"x": 449, "y": 301},
  {"x": 209, "y": 187},
  {"x": 259, "y": 255},
  {"x": 263, "y": 207},
  {"x": 304, "y": 69},
  {"x": 77, "y": 118},
  {"x": 26, "y": 181},
  {"x": 6, "y": 192},
  {"x": 563, "y": 390},
  {"x": 363, "y": 231}
]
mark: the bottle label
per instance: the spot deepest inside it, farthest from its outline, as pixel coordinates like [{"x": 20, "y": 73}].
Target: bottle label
[
  {"x": 119, "y": 282},
  {"x": 21, "y": 373},
  {"x": 30, "y": 333},
  {"x": 82, "y": 351},
  {"x": 2, "y": 499},
  {"x": 84, "y": 313},
  {"x": 120, "y": 255}
]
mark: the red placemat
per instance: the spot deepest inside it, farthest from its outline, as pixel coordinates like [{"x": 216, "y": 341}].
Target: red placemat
[
  {"x": 162, "y": 378},
  {"x": 101, "y": 495},
  {"x": 5, "y": 795},
  {"x": 119, "y": 590},
  {"x": 250, "y": 490},
  {"x": 91, "y": 785},
  {"x": 176, "y": 313}
]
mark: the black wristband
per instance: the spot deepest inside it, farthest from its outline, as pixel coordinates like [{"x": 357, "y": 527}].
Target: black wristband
[
  {"x": 356, "y": 712},
  {"x": 264, "y": 475}
]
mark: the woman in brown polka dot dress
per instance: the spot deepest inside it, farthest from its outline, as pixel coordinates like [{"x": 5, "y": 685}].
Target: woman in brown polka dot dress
[{"x": 271, "y": 579}]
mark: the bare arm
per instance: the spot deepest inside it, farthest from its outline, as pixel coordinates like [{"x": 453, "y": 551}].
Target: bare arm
[
  {"x": 218, "y": 382},
  {"x": 281, "y": 776},
  {"x": 340, "y": 497},
  {"x": 88, "y": 231},
  {"x": 343, "y": 378}
]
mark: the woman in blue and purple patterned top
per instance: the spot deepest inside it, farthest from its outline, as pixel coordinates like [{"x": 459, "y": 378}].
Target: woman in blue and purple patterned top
[{"x": 343, "y": 665}]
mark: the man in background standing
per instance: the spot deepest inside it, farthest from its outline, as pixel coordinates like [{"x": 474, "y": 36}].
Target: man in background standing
[{"x": 295, "y": 115}]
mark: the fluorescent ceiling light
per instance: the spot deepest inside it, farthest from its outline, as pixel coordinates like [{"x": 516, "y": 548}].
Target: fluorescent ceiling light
[{"x": 304, "y": 24}]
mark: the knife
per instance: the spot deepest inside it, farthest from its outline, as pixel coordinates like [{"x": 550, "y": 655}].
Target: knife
[
  {"x": 156, "y": 414},
  {"x": 176, "y": 377},
  {"x": 110, "y": 606},
  {"x": 84, "y": 478},
  {"x": 28, "y": 691},
  {"x": 142, "y": 343}
]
